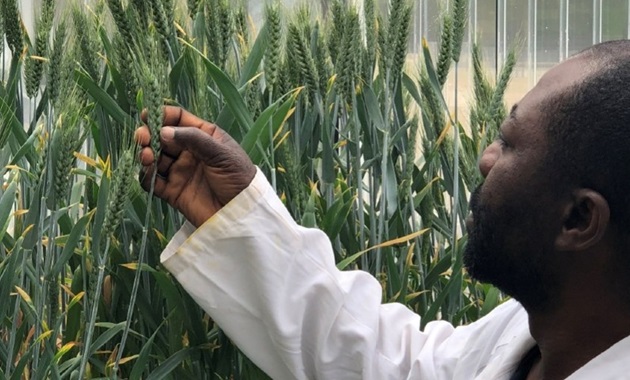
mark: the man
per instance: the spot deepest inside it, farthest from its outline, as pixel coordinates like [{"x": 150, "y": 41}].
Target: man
[{"x": 549, "y": 226}]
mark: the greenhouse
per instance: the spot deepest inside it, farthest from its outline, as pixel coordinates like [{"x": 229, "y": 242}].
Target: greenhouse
[{"x": 286, "y": 189}]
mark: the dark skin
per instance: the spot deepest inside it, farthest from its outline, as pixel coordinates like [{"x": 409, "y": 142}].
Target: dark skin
[
  {"x": 204, "y": 169},
  {"x": 586, "y": 315}
]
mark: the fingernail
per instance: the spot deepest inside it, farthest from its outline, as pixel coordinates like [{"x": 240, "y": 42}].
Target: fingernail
[{"x": 168, "y": 133}]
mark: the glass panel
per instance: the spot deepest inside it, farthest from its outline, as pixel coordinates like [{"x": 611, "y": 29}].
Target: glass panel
[
  {"x": 580, "y": 25},
  {"x": 514, "y": 36},
  {"x": 614, "y": 19},
  {"x": 548, "y": 35}
]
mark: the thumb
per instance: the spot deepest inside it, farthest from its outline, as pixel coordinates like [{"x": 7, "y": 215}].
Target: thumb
[{"x": 202, "y": 145}]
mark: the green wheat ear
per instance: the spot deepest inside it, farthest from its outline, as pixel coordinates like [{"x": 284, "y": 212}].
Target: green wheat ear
[
  {"x": 304, "y": 59},
  {"x": 34, "y": 63},
  {"x": 273, "y": 53},
  {"x": 460, "y": 17},
  {"x": 371, "y": 34},
  {"x": 348, "y": 61},
  {"x": 12, "y": 26},
  {"x": 122, "y": 183},
  {"x": 445, "y": 55},
  {"x": 56, "y": 68},
  {"x": 193, "y": 8}
]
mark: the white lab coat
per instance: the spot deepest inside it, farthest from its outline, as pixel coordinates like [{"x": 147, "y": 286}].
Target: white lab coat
[{"x": 273, "y": 287}]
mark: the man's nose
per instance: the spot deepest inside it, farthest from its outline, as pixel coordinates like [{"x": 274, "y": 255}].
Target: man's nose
[{"x": 489, "y": 158}]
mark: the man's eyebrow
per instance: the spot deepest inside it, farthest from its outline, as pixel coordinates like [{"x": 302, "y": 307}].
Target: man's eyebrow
[{"x": 513, "y": 111}]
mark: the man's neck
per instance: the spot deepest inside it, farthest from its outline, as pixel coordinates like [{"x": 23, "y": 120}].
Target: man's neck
[{"x": 576, "y": 331}]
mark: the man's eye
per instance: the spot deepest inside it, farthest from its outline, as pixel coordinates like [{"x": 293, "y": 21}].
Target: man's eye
[{"x": 502, "y": 141}]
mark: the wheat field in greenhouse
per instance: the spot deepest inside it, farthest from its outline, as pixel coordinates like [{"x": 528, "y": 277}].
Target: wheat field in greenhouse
[{"x": 325, "y": 106}]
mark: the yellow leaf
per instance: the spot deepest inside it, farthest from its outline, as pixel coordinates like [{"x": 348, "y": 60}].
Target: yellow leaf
[
  {"x": 76, "y": 299},
  {"x": 410, "y": 255},
  {"x": 63, "y": 350},
  {"x": 24, "y": 295},
  {"x": 399, "y": 240},
  {"x": 38, "y": 58},
  {"x": 14, "y": 167},
  {"x": 282, "y": 139},
  {"x": 135, "y": 266},
  {"x": 160, "y": 236},
  {"x": 86, "y": 159},
  {"x": 20, "y": 212},
  {"x": 180, "y": 29},
  {"x": 123, "y": 360},
  {"x": 43, "y": 336},
  {"x": 443, "y": 134},
  {"x": 425, "y": 44}
]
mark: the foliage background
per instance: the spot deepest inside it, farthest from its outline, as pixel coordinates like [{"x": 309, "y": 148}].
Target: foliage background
[{"x": 357, "y": 141}]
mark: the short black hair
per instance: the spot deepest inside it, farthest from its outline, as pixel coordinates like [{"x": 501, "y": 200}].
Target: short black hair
[{"x": 589, "y": 130}]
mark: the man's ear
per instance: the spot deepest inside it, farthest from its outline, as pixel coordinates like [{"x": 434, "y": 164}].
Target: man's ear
[{"x": 585, "y": 221}]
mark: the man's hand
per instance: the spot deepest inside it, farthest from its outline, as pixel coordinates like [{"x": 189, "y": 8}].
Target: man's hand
[{"x": 200, "y": 167}]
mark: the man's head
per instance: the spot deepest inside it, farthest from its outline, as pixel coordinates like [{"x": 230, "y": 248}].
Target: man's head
[{"x": 557, "y": 180}]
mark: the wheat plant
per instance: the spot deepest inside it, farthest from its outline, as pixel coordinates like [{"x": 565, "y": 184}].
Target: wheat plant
[{"x": 353, "y": 142}]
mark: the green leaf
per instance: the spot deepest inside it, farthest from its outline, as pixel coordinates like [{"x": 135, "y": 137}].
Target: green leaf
[
  {"x": 490, "y": 301},
  {"x": 258, "y": 139},
  {"x": 103, "y": 99},
  {"x": 170, "y": 364},
  {"x": 248, "y": 71},
  {"x": 8, "y": 270},
  {"x": 11, "y": 126},
  {"x": 336, "y": 216},
  {"x": 6, "y": 205},
  {"x": 308, "y": 218},
  {"x": 108, "y": 335},
  {"x": 70, "y": 245},
  {"x": 440, "y": 300},
  {"x": 143, "y": 359},
  {"x": 233, "y": 99}
]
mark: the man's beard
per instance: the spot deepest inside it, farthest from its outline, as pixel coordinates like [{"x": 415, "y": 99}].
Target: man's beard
[{"x": 503, "y": 250}]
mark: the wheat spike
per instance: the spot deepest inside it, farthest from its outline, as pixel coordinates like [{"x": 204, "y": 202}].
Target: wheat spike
[
  {"x": 122, "y": 22},
  {"x": 66, "y": 140},
  {"x": 336, "y": 33},
  {"x": 399, "y": 42},
  {"x": 304, "y": 59},
  {"x": 460, "y": 16},
  {"x": 370, "y": 39},
  {"x": 348, "y": 63},
  {"x": 497, "y": 108},
  {"x": 153, "y": 103},
  {"x": 446, "y": 49},
  {"x": 193, "y": 7},
  {"x": 12, "y": 26},
  {"x": 240, "y": 21},
  {"x": 34, "y": 66},
  {"x": 227, "y": 31},
  {"x": 87, "y": 43},
  {"x": 57, "y": 72},
  {"x": 122, "y": 183},
  {"x": 272, "y": 54}
]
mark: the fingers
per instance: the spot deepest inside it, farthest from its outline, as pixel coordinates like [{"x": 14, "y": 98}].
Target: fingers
[
  {"x": 143, "y": 136},
  {"x": 146, "y": 175},
  {"x": 177, "y": 116},
  {"x": 168, "y": 152},
  {"x": 201, "y": 144}
]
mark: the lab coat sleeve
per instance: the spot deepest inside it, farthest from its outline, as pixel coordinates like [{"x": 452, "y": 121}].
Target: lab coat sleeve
[{"x": 274, "y": 289}]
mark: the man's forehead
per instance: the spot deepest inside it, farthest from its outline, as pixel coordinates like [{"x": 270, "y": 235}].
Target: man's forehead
[
  {"x": 569, "y": 72},
  {"x": 555, "y": 82}
]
